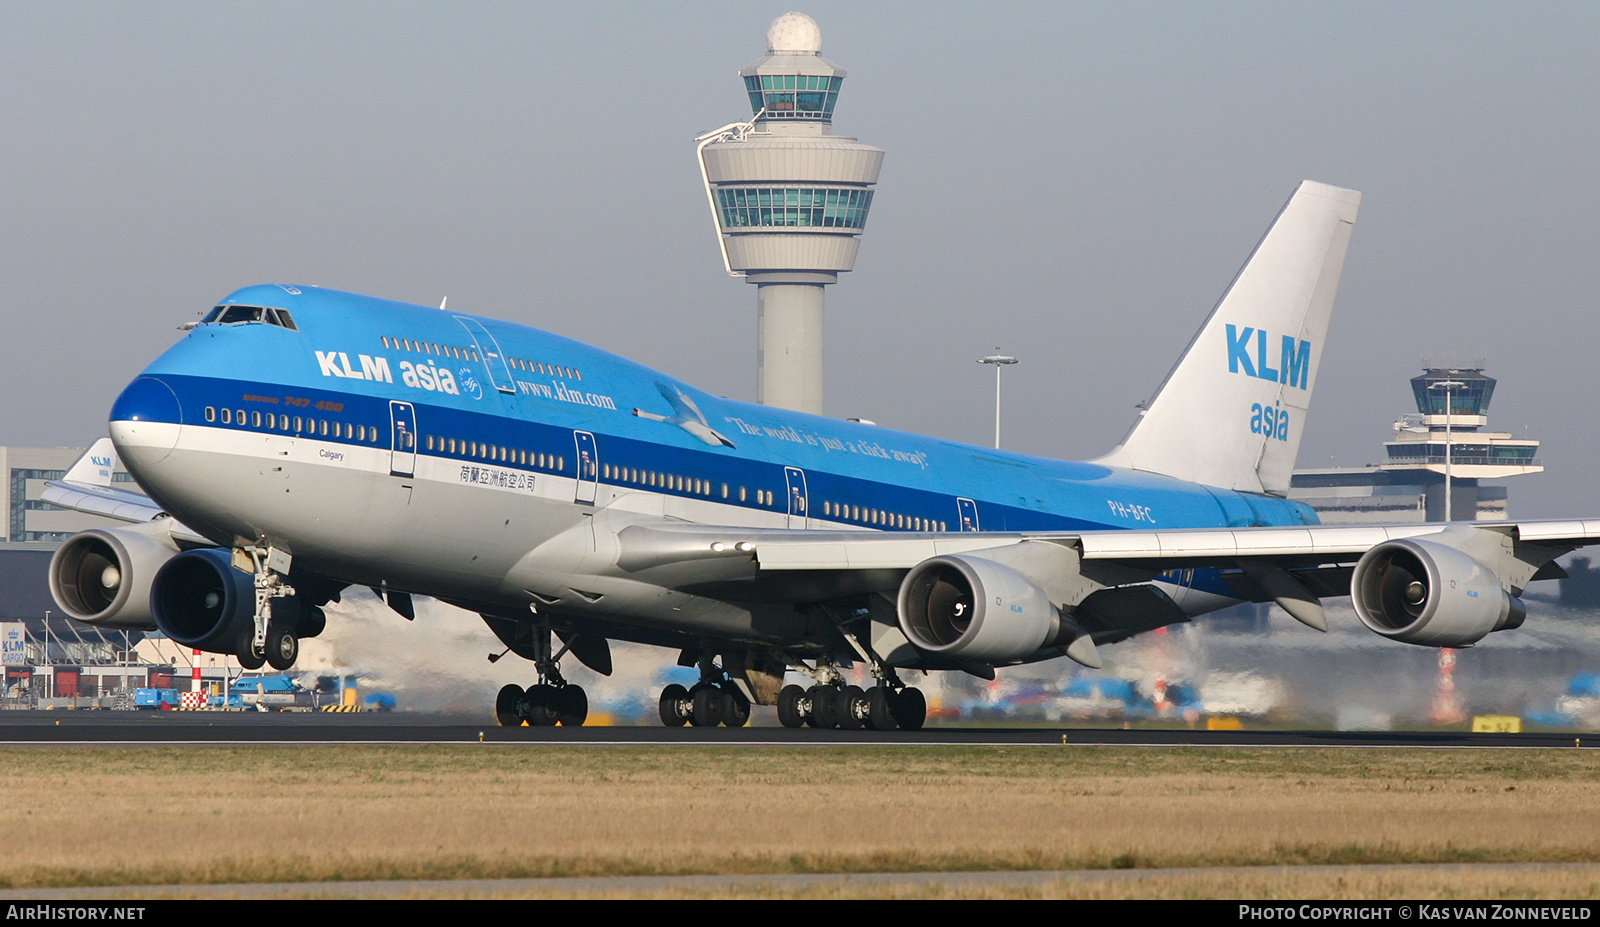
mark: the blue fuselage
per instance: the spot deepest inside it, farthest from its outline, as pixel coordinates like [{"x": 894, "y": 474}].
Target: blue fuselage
[{"x": 350, "y": 358}]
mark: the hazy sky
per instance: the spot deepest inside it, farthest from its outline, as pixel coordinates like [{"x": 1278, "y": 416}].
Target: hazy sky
[{"x": 1075, "y": 183}]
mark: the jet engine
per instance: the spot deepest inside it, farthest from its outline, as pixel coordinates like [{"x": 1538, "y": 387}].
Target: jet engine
[
  {"x": 976, "y": 610},
  {"x": 102, "y": 576},
  {"x": 1424, "y": 592},
  {"x": 201, "y": 601}
]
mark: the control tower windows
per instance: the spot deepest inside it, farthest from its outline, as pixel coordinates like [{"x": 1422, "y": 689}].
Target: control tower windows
[
  {"x": 793, "y": 96},
  {"x": 804, "y": 207}
]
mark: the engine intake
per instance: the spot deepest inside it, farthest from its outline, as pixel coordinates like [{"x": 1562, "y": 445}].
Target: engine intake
[
  {"x": 971, "y": 609},
  {"x": 201, "y": 601},
  {"x": 103, "y": 576},
  {"x": 1424, "y": 592}
]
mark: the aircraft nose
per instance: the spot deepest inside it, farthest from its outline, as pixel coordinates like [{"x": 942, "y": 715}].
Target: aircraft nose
[{"x": 145, "y": 422}]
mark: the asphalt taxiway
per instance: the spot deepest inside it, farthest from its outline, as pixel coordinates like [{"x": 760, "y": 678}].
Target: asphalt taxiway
[{"x": 136, "y": 727}]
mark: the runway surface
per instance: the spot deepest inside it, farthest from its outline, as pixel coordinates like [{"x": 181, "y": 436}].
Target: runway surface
[
  {"x": 132, "y": 727},
  {"x": 780, "y": 885}
]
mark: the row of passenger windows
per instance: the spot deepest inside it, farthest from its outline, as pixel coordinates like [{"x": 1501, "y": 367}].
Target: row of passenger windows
[
  {"x": 274, "y": 421},
  {"x": 365, "y": 434},
  {"x": 522, "y": 457},
  {"x": 679, "y": 483},
  {"x": 549, "y": 370},
  {"x": 459, "y": 353},
  {"x": 880, "y": 517},
  {"x": 429, "y": 347}
]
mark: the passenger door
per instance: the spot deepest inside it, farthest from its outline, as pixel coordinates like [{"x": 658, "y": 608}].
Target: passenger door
[
  {"x": 967, "y": 515},
  {"x": 402, "y": 438},
  {"x": 796, "y": 478},
  {"x": 588, "y": 468}
]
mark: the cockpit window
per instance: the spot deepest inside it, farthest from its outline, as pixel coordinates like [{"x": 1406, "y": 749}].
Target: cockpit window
[{"x": 233, "y": 315}]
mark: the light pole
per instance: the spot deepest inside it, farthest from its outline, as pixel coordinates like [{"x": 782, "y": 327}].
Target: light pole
[
  {"x": 1448, "y": 386},
  {"x": 997, "y": 361}
]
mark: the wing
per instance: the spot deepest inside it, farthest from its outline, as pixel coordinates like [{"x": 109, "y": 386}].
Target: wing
[
  {"x": 87, "y": 487},
  {"x": 1008, "y": 597}
]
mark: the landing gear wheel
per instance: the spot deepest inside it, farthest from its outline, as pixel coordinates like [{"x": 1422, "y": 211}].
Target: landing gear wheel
[
  {"x": 283, "y": 648},
  {"x": 671, "y": 705},
  {"x": 572, "y": 705},
  {"x": 508, "y": 706},
  {"x": 823, "y": 699},
  {"x": 910, "y": 709},
  {"x": 707, "y": 707},
  {"x": 879, "y": 715},
  {"x": 735, "y": 708},
  {"x": 249, "y": 659},
  {"x": 313, "y": 621},
  {"x": 539, "y": 706},
  {"x": 789, "y": 706},
  {"x": 848, "y": 711}
]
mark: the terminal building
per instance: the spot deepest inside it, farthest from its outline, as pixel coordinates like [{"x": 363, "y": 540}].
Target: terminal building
[
  {"x": 1446, "y": 438},
  {"x": 42, "y": 650},
  {"x": 790, "y": 200}
]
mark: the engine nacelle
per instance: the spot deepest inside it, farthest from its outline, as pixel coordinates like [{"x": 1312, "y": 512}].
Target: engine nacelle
[
  {"x": 1424, "y": 592},
  {"x": 103, "y": 576},
  {"x": 201, "y": 601},
  {"x": 975, "y": 610}
]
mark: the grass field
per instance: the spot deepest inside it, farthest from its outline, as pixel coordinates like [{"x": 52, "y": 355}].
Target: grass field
[{"x": 159, "y": 815}]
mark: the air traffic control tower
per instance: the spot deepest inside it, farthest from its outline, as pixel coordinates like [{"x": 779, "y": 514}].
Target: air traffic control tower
[{"x": 789, "y": 199}]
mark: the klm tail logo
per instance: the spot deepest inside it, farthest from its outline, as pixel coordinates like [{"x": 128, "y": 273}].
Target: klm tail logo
[{"x": 1247, "y": 353}]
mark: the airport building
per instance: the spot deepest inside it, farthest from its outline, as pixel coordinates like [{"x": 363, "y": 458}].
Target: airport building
[
  {"x": 1446, "y": 438},
  {"x": 43, "y": 650},
  {"x": 790, "y": 200}
]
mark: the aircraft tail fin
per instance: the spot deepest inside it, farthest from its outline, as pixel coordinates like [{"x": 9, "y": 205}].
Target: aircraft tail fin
[
  {"x": 1231, "y": 413},
  {"x": 96, "y": 465}
]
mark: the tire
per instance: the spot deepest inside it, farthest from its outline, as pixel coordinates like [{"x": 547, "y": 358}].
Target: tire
[
  {"x": 847, "y": 711},
  {"x": 735, "y": 708},
  {"x": 249, "y": 659},
  {"x": 910, "y": 709},
  {"x": 879, "y": 715},
  {"x": 283, "y": 648},
  {"x": 672, "y": 697},
  {"x": 539, "y": 706},
  {"x": 313, "y": 621},
  {"x": 508, "y": 706},
  {"x": 823, "y": 698},
  {"x": 789, "y": 706},
  {"x": 572, "y": 706},
  {"x": 707, "y": 707}
]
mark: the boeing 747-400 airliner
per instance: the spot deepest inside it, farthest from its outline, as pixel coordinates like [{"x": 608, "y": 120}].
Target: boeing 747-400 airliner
[{"x": 299, "y": 441}]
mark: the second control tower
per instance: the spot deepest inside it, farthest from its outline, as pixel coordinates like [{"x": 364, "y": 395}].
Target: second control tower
[{"x": 789, "y": 199}]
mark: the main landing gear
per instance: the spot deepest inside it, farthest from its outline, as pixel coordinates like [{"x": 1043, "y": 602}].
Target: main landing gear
[
  {"x": 552, "y": 701},
  {"x": 849, "y": 708},
  {"x": 714, "y": 700}
]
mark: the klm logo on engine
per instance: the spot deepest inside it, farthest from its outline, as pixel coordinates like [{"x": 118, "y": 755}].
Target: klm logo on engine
[{"x": 1248, "y": 354}]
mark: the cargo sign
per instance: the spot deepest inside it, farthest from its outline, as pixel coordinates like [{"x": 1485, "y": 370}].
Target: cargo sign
[{"x": 12, "y": 643}]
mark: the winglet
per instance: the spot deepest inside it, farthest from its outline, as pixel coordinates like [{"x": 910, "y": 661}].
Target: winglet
[{"x": 95, "y": 467}]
